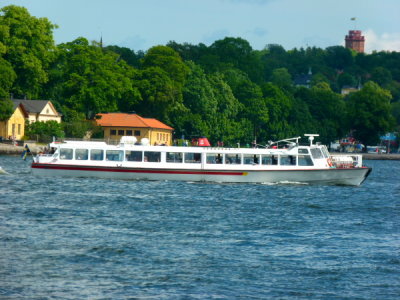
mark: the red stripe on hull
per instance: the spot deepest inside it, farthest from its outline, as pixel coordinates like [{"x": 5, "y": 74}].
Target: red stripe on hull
[{"x": 130, "y": 170}]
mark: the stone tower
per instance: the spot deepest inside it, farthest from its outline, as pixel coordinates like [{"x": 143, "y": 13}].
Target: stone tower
[{"x": 354, "y": 40}]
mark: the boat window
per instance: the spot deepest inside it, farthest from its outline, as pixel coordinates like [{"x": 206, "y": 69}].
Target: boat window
[
  {"x": 305, "y": 160},
  {"x": 287, "y": 160},
  {"x": 233, "y": 158},
  {"x": 151, "y": 156},
  {"x": 81, "y": 154},
  {"x": 251, "y": 159},
  {"x": 133, "y": 155},
  {"x": 214, "y": 158},
  {"x": 269, "y": 159},
  {"x": 316, "y": 153},
  {"x": 193, "y": 158},
  {"x": 96, "y": 154},
  {"x": 303, "y": 151},
  {"x": 66, "y": 153},
  {"x": 114, "y": 155},
  {"x": 325, "y": 151},
  {"x": 174, "y": 157}
]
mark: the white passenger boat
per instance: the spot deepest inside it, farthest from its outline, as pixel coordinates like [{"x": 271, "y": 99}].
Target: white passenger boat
[{"x": 282, "y": 161}]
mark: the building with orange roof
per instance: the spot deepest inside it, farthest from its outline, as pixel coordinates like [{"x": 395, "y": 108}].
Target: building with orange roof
[{"x": 116, "y": 125}]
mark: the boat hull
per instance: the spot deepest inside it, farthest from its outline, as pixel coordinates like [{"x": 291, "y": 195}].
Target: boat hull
[{"x": 333, "y": 176}]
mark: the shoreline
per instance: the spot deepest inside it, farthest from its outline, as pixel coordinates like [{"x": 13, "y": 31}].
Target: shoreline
[{"x": 7, "y": 149}]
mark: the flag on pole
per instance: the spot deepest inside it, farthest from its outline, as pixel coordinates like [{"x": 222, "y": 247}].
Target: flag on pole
[
  {"x": 353, "y": 19},
  {"x": 25, "y": 153}
]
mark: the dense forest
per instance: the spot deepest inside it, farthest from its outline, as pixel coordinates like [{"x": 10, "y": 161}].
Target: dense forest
[{"x": 226, "y": 91}]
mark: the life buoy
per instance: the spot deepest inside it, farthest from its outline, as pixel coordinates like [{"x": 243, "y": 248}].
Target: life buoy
[{"x": 330, "y": 163}]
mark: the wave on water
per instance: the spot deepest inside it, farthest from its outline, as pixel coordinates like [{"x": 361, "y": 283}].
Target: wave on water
[
  {"x": 3, "y": 172},
  {"x": 285, "y": 182},
  {"x": 92, "y": 238}
]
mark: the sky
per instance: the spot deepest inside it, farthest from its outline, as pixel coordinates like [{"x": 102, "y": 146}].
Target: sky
[{"x": 142, "y": 24}]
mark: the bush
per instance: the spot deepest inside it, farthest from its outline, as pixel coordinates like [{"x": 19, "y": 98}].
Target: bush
[{"x": 44, "y": 131}]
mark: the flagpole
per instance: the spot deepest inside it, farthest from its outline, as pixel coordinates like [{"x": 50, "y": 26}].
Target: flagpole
[{"x": 355, "y": 22}]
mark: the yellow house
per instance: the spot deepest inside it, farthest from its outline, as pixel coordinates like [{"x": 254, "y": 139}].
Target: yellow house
[
  {"x": 116, "y": 125},
  {"x": 39, "y": 110},
  {"x": 14, "y": 127}
]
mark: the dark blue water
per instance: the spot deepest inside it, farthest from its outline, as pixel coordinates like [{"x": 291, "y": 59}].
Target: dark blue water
[{"x": 65, "y": 238}]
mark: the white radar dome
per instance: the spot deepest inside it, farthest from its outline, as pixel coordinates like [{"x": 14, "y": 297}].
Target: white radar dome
[{"x": 145, "y": 141}]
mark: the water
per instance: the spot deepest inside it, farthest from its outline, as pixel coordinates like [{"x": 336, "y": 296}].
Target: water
[{"x": 66, "y": 238}]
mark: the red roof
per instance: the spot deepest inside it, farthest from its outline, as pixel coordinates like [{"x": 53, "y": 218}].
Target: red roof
[{"x": 129, "y": 120}]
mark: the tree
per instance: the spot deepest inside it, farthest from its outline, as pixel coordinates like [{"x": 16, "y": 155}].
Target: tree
[
  {"x": 381, "y": 76},
  {"x": 6, "y": 108},
  {"x": 27, "y": 44},
  {"x": 128, "y": 55},
  {"x": 346, "y": 79},
  {"x": 168, "y": 60},
  {"x": 44, "y": 131},
  {"x": 234, "y": 51},
  {"x": 369, "y": 113},
  {"x": 396, "y": 113},
  {"x": 7, "y": 78},
  {"x": 300, "y": 119},
  {"x": 327, "y": 109},
  {"x": 279, "y": 106},
  {"x": 160, "y": 82},
  {"x": 226, "y": 127},
  {"x": 282, "y": 78},
  {"x": 159, "y": 95},
  {"x": 338, "y": 57},
  {"x": 199, "y": 98},
  {"x": 88, "y": 80}
]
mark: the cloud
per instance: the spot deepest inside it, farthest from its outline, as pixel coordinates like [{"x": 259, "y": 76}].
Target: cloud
[{"x": 383, "y": 42}]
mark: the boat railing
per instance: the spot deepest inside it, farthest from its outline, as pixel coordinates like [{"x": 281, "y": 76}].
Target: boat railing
[{"x": 346, "y": 161}]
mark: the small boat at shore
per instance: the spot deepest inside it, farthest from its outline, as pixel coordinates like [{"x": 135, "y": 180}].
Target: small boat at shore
[{"x": 281, "y": 161}]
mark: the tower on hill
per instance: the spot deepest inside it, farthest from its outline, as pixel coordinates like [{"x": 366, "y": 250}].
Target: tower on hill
[{"x": 354, "y": 40}]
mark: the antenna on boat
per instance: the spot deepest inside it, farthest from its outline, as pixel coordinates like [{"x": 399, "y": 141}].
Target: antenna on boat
[
  {"x": 311, "y": 137},
  {"x": 287, "y": 141}
]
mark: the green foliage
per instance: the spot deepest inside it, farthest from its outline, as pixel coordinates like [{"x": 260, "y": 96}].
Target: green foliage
[
  {"x": 27, "y": 44},
  {"x": 128, "y": 55},
  {"x": 44, "y": 131},
  {"x": 282, "y": 78},
  {"x": 226, "y": 91},
  {"x": 279, "y": 106},
  {"x": 81, "y": 129},
  {"x": 369, "y": 113},
  {"x": 168, "y": 60},
  {"x": 160, "y": 83},
  {"x": 396, "y": 113},
  {"x": 346, "y": 79},
  {"x": 327, "y": 109},
  {"x": 6, "y": 108},
  {"x": 338, "y": 57},
  {"x": 7, "y": 78},
  {"x": 88, "y": 80}
]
